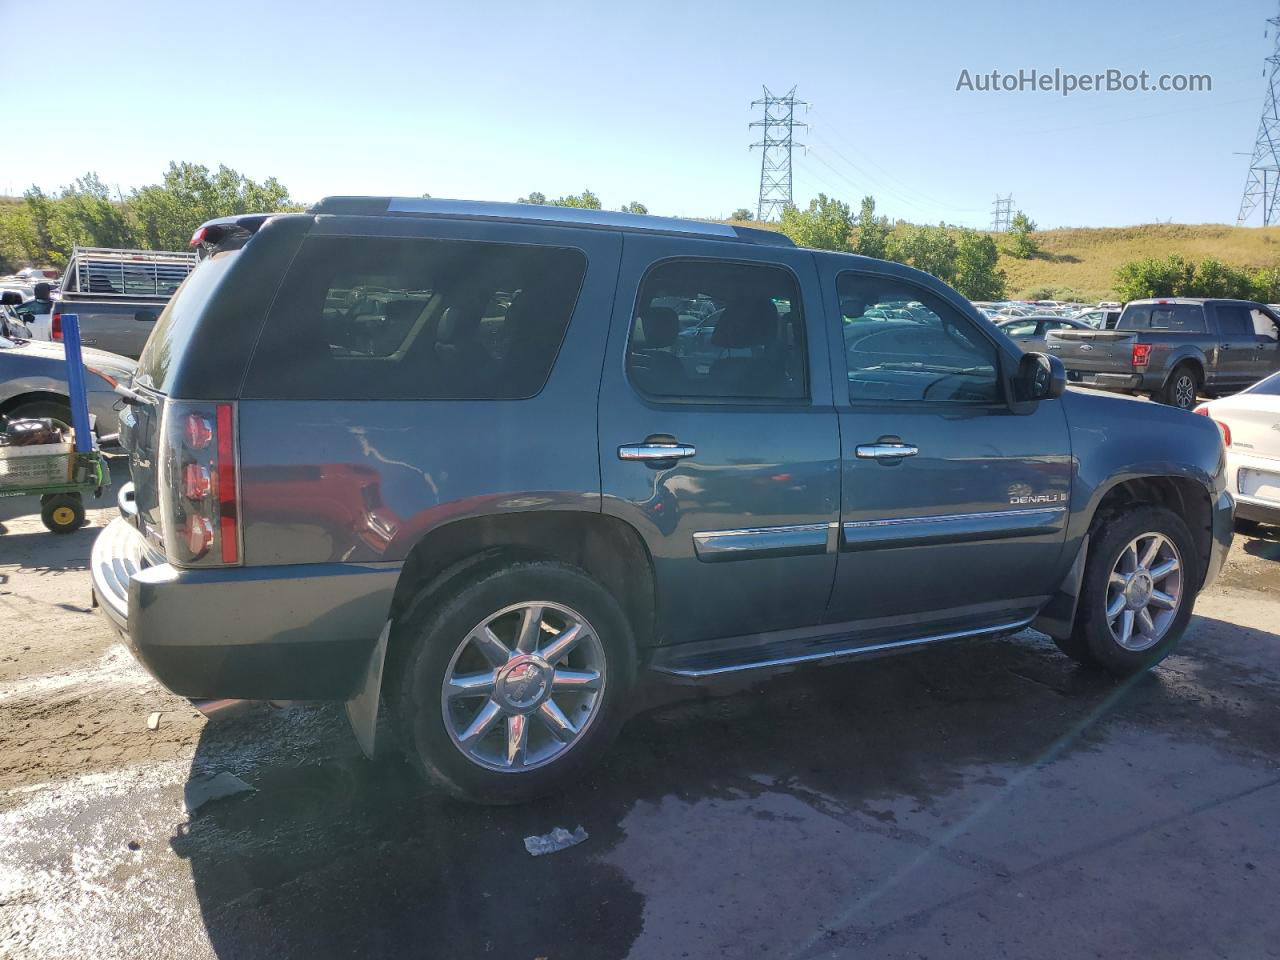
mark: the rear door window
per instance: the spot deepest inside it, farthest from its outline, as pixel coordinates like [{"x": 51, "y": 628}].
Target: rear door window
[
  {"x": 710, "y": 328},
  {"x": 1234, "y": 320},
  {"x": 376, "y": 318}
]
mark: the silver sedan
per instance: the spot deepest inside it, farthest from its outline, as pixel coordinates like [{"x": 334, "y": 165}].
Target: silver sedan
[{"x": 33, "y": 383}]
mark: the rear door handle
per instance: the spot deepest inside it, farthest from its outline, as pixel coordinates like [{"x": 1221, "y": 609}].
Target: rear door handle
[
  {"x": 885, "y": 451},
  {"x": 651, "y": 451}
]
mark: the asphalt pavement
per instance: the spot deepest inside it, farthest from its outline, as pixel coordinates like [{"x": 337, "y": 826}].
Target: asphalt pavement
[{"x": 977, "y": 800}]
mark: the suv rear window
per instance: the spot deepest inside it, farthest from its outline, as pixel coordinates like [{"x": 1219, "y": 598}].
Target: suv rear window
[{"x": 376, "y": 319}]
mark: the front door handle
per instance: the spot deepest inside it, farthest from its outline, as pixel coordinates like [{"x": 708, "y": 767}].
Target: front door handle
[
  {"x": 651, "y": 451},
  {"x": 885, "y": 451}
]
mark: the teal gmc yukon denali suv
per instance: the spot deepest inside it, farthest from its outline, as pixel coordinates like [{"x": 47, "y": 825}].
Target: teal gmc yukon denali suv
[{"x": 482, "y": 464}]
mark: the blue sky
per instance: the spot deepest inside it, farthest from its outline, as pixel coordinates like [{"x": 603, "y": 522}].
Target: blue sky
[{"x": 651, "y": 101}]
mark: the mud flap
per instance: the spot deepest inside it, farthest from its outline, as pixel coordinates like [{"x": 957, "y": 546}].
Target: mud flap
[
  {"x": 1057, "y": 618},
  {"x": 362, "y": 709}
]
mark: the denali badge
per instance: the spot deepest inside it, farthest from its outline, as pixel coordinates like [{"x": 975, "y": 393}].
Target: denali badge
[{"x": 1016, "y": 496}]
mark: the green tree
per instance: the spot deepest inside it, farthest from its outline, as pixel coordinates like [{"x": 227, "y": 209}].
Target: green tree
[
  {"x": 635, "y": 206},
  {"x": 585, "y": 200},
  {"x": 1169, "y": 276},
  {"x": 825, "y": 225},
  {"x": 536, "y": 198},
  {"x": 927, "y": 248},
  {"x": 168, "y": 213},
  {"x": 978, "y": 275},
  {"x": 872, "y": 235},
  {"x": 742, "y": 213},
  {"x": 1022, "y": 243}
]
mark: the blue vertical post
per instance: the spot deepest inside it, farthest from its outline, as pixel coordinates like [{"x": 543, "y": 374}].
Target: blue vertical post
[{"x": 75, "y": 382}]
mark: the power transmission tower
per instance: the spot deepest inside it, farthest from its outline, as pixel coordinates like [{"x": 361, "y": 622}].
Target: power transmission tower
[
  {"x": 1002, "y": 213},
  {"x": 776, "y": 143},
  {"x": 1262, "y": 188}
]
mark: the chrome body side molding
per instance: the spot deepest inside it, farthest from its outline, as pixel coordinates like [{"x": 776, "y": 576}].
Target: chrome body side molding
[{"x": 949, "y": 528}]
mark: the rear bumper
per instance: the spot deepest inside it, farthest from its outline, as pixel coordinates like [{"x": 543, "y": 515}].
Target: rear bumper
[
  {"x": 1252, "y": 507},
  {"x": 296, "y": 632},
  {"x": 1106, "y": 381}
]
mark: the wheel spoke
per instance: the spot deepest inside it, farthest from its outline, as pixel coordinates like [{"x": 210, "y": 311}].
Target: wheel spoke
[
  {"x": 1115, "y": 606},
  {"x": 484, "y": 720},
  {"x": 1163, "y": 600},
  {"x": 471, "y": 684},
  {"x": 530, "y": 628},
  {"x": 1118, "y": 579},
  {"x": 1164, "y": 569},
  {"x": 565, "y": 641},
  {"x": 1130, "y": 554},
  {"x": 494, "y": 650},
  {"x": 517, "y": 739},
  {"x": 554, "y": 719},
  {"x": 567, "y": 681},
  {"x": 1153, "y": 548},
  {"x": 1126, "y": 627},
  {"x": 1146, "y": 626}
]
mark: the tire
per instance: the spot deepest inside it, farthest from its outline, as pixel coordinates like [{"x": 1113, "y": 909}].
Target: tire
[
  {"x": 1181, "y": 388},
  {"x": 1096, "y": 639},
  {"x": 439, "y": 639},
  {"x": 62, "y": 512},
  {"x": 42, "y": 409}
]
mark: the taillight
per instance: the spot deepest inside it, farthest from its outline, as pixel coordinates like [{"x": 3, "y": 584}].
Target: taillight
[
  {"x": 197, "y": 238},
  {"x": 1141, "y": 354},
  {"x": 198, "y": 491},
  {"x": 1222, "y": 427},
  {"x": 55, "y": 324}
]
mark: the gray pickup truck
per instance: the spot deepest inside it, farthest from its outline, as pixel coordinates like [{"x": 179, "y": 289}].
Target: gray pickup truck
[
  {"x": 118, "y": 295},
  {"x": 459, "y": 458},
  {"x": 1174, "y": 349}
]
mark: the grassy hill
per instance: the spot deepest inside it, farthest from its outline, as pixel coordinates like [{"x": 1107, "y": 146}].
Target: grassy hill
[{"x": 1080, "y": 262}]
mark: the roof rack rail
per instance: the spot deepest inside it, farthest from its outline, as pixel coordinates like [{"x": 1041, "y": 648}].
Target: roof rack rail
[{"x": 544, "y": 213}]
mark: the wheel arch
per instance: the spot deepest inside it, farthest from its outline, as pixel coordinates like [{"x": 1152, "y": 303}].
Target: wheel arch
[
  {"x": 1184, "y": 495},
  {"x": 608, "y": 549},
  {"x": 32, "y": 396}
]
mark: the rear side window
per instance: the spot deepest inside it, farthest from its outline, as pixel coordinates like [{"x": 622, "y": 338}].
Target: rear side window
[
  {"x": 710, "y": 328},
  {"x": 380, "y": 319}
]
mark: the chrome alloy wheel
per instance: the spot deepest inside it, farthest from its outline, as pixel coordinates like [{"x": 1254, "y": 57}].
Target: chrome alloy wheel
[
  {"x": 1144, "y": 591},
  {"x": 523, "y": 686}
]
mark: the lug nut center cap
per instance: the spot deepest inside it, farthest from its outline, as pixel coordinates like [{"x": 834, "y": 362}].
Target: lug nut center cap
[
  {"x": 523, "y": 683},
  {"x": 1138, "y": 592}
]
